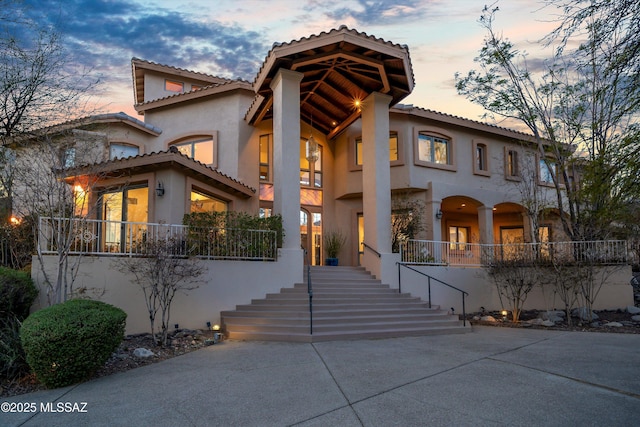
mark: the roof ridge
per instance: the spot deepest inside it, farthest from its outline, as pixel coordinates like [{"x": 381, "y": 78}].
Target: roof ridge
[{"x": 179, "y": 68}]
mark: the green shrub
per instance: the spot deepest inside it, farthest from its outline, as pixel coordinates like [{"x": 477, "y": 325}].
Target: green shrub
[
  {"x": 67, "y": 343},
  {"x": 17, "y": 293},
  {"x": 13, "y": 363}
]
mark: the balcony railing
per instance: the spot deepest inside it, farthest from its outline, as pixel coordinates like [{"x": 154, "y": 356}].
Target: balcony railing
[
  {"x": 123, "y": 238},
  {"x": 430, "y": 252}
]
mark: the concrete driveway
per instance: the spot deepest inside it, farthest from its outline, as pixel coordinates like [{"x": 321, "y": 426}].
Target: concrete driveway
[{"x": 491, "y": 376}]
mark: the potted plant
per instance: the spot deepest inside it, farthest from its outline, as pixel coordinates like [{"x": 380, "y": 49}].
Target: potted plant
[{"x": 333, "y": 243}]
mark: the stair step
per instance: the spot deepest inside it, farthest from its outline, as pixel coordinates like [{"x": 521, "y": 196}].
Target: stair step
[{"x": 348, "y": 303}]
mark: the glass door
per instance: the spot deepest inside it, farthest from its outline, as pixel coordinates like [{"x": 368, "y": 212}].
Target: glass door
[
  {"x": 311, "y": 235},
  {"x": 125, "y": 215}
]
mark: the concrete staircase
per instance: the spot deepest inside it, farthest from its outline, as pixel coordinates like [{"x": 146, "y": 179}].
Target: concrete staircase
[{"x": 348, "y": 303}]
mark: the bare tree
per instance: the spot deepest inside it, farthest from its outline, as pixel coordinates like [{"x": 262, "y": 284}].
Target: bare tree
[
  {"x": 577, "y": 108},
  {"x": 161, "y": 273},
  {"x": 40, "y": 85}
]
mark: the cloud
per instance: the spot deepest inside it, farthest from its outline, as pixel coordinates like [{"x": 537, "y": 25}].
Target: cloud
[
  {"x": 105, "y": 34},
  {"x": 370, "y": 12}
]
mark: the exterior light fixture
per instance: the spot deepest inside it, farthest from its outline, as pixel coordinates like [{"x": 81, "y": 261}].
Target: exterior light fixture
[
  {"x": 208, "y": 325},
  {"x": 439, "y": 215},
  {"x": 504, "y": 314},
  {"x": 159, "y": 189},
  {"x": 217, "y": 333}
]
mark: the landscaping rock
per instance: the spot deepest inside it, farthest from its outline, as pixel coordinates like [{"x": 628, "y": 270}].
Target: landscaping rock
[
  {"x": 537, "y": 321},
  {"x": 635, "y": 318},
  {"x": 555, "y": 316},
  {"x": 143, "y": 353},
  {"x": 583, "y": 314},
  {"x": 633, "y": 309},
  {"x": 488, "y": 319},
  {"x": 613, "y": 324},
  {"x": 548, "y": 323}
]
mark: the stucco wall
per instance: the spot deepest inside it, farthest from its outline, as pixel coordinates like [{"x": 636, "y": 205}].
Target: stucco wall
[
  {"x": 224, "y": 285},
  {"x": 615, "y": 293}
]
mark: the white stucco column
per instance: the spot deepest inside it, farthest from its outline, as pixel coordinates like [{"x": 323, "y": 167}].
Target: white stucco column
[
  {"x": 286, "y": 155},
  {"x": 485, "y": 224},
  {"x": 434, "y": 224},
  {"x": 376, "y": 185}
]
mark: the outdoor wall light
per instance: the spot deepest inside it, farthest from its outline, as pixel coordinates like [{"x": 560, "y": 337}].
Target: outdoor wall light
[
  {"x": 160, "y": 189},
  {"x": 177, "y": 326},
  {"x": 439, "y": 215},
  {"x": 208, "y": 325},
  {"x": 504, "y": 314}
]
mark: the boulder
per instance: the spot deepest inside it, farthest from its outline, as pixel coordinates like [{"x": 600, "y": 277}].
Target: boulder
[
  {"x": 632, "y": 309},
  {"x": 583, "y": 314},
  {"x": 488, "y": 319},
  {"x": 555, "y": 316},
  {"x": 613, "y": 324},
  {"x": 143, "y": 353},
  {"x": 635, "y": 318}
]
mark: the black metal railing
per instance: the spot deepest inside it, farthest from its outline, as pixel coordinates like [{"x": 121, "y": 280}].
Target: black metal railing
[
  {"x": 429, "y": 278},
  {"x": 309, "y": 291},
  {"x": 372, "y": 249}
]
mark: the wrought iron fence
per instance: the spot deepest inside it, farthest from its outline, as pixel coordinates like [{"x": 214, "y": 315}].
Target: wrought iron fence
[
  {"x": 123, "y": 238},
  {"x": 428, "y": 252}
]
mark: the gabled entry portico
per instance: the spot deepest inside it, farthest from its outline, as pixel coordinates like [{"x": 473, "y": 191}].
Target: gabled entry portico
[{"x": 329, "y": 81}]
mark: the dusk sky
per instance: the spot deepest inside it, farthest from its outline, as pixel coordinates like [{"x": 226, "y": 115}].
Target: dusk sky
[{"x": 230, "y": 38}]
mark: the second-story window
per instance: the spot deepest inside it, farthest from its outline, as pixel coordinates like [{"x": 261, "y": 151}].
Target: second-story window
[
  {"x": 434, "y": 149},
  {"x": 547, "y": 169},
  {"x": 310, "y": 173},
  {"x": 201, "y": 150},
  {"x": 122, "y": 151},
  {"x": 394, "y": 154},
  {"x": 480, "y": 158},
  {"x": 173, "y": 86},
  {"x": 265, "y": 157},
  {"x": 512, "y": 165}
]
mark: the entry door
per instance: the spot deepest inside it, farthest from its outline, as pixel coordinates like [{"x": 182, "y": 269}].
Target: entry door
[
  {"x": 124, "y": 214},
  {"x": 311, "y": 235}
]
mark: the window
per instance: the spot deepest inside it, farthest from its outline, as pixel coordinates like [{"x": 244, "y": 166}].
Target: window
[
  {"x": 458, "y": 237},
  {"x": 481, "y": 159},
  {"x": 201, "y": 150},
  {"x": 547, "y": 170},
  {"x": 201, "y": 202},
  {"x": 122, "y": 151},
  {"x": 434, "y": 149},
  {"x": 310, "y": 174},
  {"x": 265, "y": 157},
  {"x": 69, "y": 157},
  {"x": 394, "y": 149},
  {"x": 173, "y": 86},
  {"x": 511, "y": 164}
]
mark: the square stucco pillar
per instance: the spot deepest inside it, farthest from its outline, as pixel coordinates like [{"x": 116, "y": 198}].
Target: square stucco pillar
[
  {"x": 286, "y": 157},
  {"x": 376, "y": 186},
  {"x": 485, "y": 224}
]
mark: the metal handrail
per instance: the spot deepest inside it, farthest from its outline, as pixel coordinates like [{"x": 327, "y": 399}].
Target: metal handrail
[
  {"x": 372, "y": 249},
  {"x": 309, "y": 291},
  {"x": 464, "y": 311}
]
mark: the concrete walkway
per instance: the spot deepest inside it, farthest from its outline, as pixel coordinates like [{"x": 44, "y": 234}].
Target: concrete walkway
[{"x": 491, "y": 376}]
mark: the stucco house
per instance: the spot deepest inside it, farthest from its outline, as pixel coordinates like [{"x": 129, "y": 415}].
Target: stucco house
[{"x": 204, "y": 143}]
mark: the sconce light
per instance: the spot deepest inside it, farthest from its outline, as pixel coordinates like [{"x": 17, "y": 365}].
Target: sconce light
[
  {"x": 504, "y": 314},
  {"x": 208, "y": 325},
  {"x": 439, "y": 215},
  {"x": 160, "y": 189}
]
